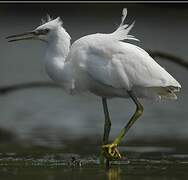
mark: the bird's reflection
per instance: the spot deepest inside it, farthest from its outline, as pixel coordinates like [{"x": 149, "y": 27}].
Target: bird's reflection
[{"x": 114, "y": 173}]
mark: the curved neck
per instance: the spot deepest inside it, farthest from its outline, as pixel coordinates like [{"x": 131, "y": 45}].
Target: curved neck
[
  {"x": 58, "y": 44},
  {"x": 57, "y": 51}
]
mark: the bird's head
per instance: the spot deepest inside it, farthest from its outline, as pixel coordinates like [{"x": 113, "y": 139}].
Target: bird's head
[{"x": 47, "y": 30}]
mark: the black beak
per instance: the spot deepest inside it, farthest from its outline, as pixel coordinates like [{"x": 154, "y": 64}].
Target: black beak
[{"x": 24, "y": 36}]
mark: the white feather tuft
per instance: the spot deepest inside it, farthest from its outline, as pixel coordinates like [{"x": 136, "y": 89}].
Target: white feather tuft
[
  {"x": 122, "y": 31},
  {"x": 124, "y": 13},
  {"x": 42, "y": 21},
  {"x": 48, "y": 18}
]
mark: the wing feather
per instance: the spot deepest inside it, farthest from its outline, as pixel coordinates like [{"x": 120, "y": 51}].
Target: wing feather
[
  {"x": 124, "y": 65},
  {"x": 111, "y": 62}
]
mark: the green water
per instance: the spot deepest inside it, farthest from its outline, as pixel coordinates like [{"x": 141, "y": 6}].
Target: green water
[
  {"x": 116, "y": 172},
  {"x": 56, "y": 166}
]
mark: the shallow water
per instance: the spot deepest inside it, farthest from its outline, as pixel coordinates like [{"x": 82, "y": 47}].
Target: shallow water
[
  {"x": 145, "y": 163},
  {"x": 92, "y": 172},
  {"x": 61, "y": 166}
]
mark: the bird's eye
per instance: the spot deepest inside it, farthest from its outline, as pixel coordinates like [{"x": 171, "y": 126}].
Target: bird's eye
[
  {"x": 42, "y": 31},
  {"x": 45, "y": 31}
]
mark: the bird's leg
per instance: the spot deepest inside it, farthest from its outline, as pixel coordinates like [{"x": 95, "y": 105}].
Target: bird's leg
[
  {"x": 107, "y": 127},
  {"x": 111, "y": 150},
  {"x": 136, "y": 115},
  {"x": 107, "y": 124}
]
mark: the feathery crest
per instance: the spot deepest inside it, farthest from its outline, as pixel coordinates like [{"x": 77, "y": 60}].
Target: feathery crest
[
  {"x": 122, "y": 31},
  {"x": 46, "y": 19},
  {"x": 49, "y": 19}
]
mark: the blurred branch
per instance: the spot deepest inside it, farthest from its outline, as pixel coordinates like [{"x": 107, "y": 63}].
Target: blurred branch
[
  {"x": 154, "y": 54},
  {"x": 15, "y": 87},
  {"x": 171, "y": 58}
]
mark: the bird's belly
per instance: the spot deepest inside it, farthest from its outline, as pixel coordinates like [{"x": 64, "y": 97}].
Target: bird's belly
[
  {"x": 111, "y": 92},
  {"x": 107, "y": 91}
]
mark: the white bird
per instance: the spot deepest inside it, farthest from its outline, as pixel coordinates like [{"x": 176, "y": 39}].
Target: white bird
[{"x": 104, "y": 65}]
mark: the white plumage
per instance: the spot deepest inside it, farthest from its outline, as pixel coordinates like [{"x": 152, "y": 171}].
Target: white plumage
[
  {"x": 102, "y": 63},
  {"x": 106, "y": 66}
]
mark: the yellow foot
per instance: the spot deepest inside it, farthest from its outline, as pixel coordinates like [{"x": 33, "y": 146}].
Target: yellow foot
[{"x": 111, "y": 152}]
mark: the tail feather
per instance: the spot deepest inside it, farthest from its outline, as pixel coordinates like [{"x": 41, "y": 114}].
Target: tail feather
[{"x": 167, "y": 92}]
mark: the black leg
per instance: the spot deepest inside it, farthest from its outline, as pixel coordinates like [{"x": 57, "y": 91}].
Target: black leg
[{"x": 107, "y": 126}]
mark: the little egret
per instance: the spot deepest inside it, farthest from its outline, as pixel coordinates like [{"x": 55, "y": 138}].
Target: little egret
[{"x": 106, "y": 66}]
